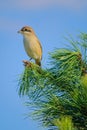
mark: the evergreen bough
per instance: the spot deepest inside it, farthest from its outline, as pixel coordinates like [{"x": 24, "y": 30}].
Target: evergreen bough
[{"x": 58, "y": 95}]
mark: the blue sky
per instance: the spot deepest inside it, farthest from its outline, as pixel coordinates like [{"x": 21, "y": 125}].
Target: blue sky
[{"x": 51, "y": 20}]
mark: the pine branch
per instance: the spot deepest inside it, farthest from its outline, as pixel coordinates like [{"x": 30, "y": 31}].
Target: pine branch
[{"x": 58, "y": 94}]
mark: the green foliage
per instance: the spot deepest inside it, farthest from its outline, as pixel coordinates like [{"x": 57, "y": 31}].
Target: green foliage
[
  {"x": 64, "y": 123},
  {"x": 58, "y": 95}
]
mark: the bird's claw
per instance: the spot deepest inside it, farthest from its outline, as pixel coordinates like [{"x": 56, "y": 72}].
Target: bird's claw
[{"x": 26, "y": 63}]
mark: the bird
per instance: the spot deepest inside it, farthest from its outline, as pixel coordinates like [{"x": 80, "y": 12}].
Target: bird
[{"x": 32, "y": 44}]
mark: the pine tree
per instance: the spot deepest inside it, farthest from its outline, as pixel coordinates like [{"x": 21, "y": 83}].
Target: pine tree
[{"x": 58, "y": 95}]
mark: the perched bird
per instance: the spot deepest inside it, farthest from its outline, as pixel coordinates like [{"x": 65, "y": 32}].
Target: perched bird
[{"x": 32, "y": 45}]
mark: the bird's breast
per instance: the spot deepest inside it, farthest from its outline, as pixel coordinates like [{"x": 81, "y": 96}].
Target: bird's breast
[{"x": 32, "y": 47}]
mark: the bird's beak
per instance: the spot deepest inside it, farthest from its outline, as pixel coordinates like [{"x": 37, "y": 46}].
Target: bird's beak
[{"x": 19, "y": 31}]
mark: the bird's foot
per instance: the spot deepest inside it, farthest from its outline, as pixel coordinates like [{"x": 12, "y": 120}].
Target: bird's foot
[
  {"x": 30, "y": 59},
  {"x": 26, "y": 63}
]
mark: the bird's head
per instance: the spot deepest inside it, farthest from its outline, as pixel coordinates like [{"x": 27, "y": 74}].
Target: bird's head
[{"x": 26, "y": 31}]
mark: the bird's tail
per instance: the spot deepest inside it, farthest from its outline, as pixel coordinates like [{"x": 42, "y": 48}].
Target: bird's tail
[{"x": 38, "y": 62}]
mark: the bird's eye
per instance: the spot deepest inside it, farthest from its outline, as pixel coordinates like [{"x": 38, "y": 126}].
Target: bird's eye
[{"x": 25, "y": 29}]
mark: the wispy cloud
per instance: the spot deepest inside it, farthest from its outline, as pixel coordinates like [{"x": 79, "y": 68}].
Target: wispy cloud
[
  {"x": 71, "y": 4},
  {"x": 36, "y": 4},
  {"x": 7, "y": 6}
]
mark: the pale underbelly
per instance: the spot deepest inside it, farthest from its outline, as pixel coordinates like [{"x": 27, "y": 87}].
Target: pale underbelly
[{"x": 32, "y": 50}]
